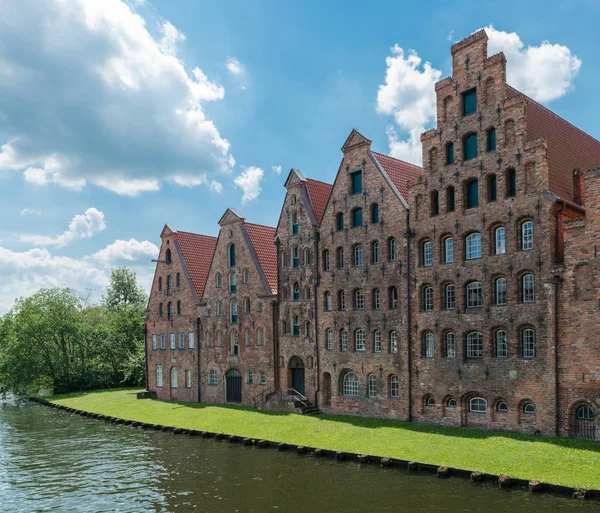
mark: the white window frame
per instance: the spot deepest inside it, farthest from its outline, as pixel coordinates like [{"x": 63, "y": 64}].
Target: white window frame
[
  {"x": 329, "y": 339},
  {"x": 428, "y": 345},
  {"x": 448, "y": 250},
  {"x": 154, "y": 342},
  {"x": 449, "y": 296},
  {"x": 343, "y": 340},
  {"x": 263, "y": 378},
  {"x": 163, "y": 341},
  {"x": 191, "y": 340},
  {"x": 473, "y": 244},
  {"x": 450, "y": 344},
  {"x": 172, "y": 341},
  {"x": 188, "y": 379},
  {"x": 375, "y": 250},
  {"x": 528, "y": 288},
  {"x": 474, "y": 294},
  {"x": 359, "y": 340},
  {"x": 428, "y": 299},
  {"x": 500, "y": 240},
  {"x": 159, "y": 375},
  {"x": 527, "y": 236},
  {"x": 393, "y": 342},
  {"x": 212, "y": 377},
  {"x": 427, "y": 254},
  {"x": 475, "y": 345},
  {"x": 359, "y": 260},
  {"x": 342, "y": 300},
  {"x": 359, "y": 299},
  {"x": 250, "y": 377},
  {"x": 478, "y": 405},
  {"x": 528, "y": 342},
  {"x": 372, "y": 386},
  {"x": 501, "y": 296},
  {"x": 392, "y": 249},
  {"x": 393, "y": 294},
  {"x": 350, "y": 385},
  {"x": 341, "y": 258},
  {"x": 501, "y": 344},
  {"x": 328, "y": 306},
  {"x": 181, "y": 340},
  {"x": 377, "y": 341},
  {"x": 173, "y": 377},
  {"x": 394, "y": 385}
]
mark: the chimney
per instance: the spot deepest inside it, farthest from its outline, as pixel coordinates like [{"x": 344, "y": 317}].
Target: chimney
[{"x": 578, "y": 186}]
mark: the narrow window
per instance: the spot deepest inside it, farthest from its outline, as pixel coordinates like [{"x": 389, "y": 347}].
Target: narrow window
[
  {"x": 528, "y": 343},
  {"x": 163, "y": 341},
  {"x": 478, "y": 405},
  {"x": 472, "y": 194},
  {"x": 375, "y": 252},
  {"x": 491, "y": 139},
  {"x": 178, "y": 307},
  {"x": 326, "y": 260},
  {"x": 527, "y": 236},
  {"x": 393, "y": 342},
  {"x": 188, "y": 379},
  {"x": 359, "y": 340},
  {"x": 376, "y": 299},
  {"x": 307, "y": 293},
  {"x": 191, "y": 340},
  {"x": 357, "y": 218},
  {"x": 159, "y": 375},
  {"x": 250, "y": 377},
  {"x": 475, "y": 345},
  {"x": 208, "y": 338},
  {"x": 428, "y": 345},
  {"x": 283, "y": 259},
  {"x": 500, "y": 292},
  {"x": 450, "y": 154},
  {"x": 372, "y": 386},
  {"x": 247, "y": 305},
  {"x": 342, "y": 300},
  {"x": 501, "y": 344},
  {"x": 450, "y": 342},
  {"x": 427, "y": 253},
  {"x": 220, "y": 339},
  {"x": 296, "y": 292},
  {"x": 394, "y": 387},
  {"x": 173, "y": 377},
  {"x": 212, "y": 379},
  {"x": 218, "y": 281},
  {"x": 469, "y": 102},
  {"x": 295, "y": 223},
  {"x": 260, "y": 337},
  {"x": 356, "y": 178},
  {"x": 427, "y": 299},
  {"x": 377, "y": 341},
  {"x": 358, "y": 255},
  {"x": 178, "y": 280},
  {"x": 233, "y": 318},
  {"x": 231, "y": 255},
  {"x": 343, "y": 340},
  {"x": 232, "y": 282},
  {"x": 247, "y": 337},
  {"x": 181, "y": 337},
  {"x": 168, "y": 258},
  {"x": 393, "y": 298},
  {"x": 492, "y": 188},
  {"x": 159, "y": 284},
  {"x": 219, "y": 309},
  {"x": 263, "y": 378},
  {"x": 374, "y": 213},
  {"x": 473, "y": 246},
  {"x": 435, "y": 203},
  {"x": 359, "y": 299},
  {"x": 500, "y": 240},
  {"x": 340, "y": 222},
  {"x": 450, "y": 199},
  {"x": 160, "y": 310},
  {"x": 327, "y": 302},
  {"x": 170, "y": 310},
  {"x": 306, "y": 256},
  {"x": 511, "y": 183},
  {"x": 284, "y": 327},
  {"x": 392, "y": 249},
  {"x": 470, "y": 147},
  {"x": 449, "y": 297},
  {"x": 307, "y": 329},
  {"x": 295, "y": 257},
  {"x": 329, "y": 339},
  {"x": 296, "y": 325},
  {"x": 528, "y": 288},
  {"x": 474, "y": 295},
  {"x": 448, "y": 250},
  {"x": 154, "y": 342},
  {"x": 246, "y": 276},
  {"x": 169, "y": 283},
  {"x": 340, "y": 254}
]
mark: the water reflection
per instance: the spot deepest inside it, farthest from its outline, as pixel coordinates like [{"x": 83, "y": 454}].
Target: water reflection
[{"x": 55, "y": 461}]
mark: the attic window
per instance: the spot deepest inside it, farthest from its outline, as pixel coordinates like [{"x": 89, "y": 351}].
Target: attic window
[
  {"x": 356, "y": 177},
  {"x": 469, "y": 102},
  {"x": 168, "y": 257},
  {"x": 294, "y": 199}
]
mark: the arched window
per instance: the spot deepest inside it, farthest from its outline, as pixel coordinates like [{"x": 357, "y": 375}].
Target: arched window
[
  {"x": 473, "y": 243},
  {"x": 160, "y": 310},
  {"x": 500, "y": 241},
  {"x": 219, "y": 309},
  {"x": 501, "y": 344},
  {"x": 527, "y": 235},
  {"x": 394, "y": 384},
  {"x": 491, "y": 139},
  {"x": 449, "y": 154},
  {"x": 340, "y": 222},
  {"x": 342, "y": 300},
  {"x": 295, "y": 257},
  {"x": 178, "y": 280},
  {"x": 392, "y": 249},
  {"x": 306, "y": 256},
  {"x": 475, "y": 345},
  {"x": 169, "y": 310},
  {"x": 169, "y": 283},
  {"x": 450, "y": 343},
  {"x": 451, "y": 403},
  {"x": 376, "y": 299},
  {"x": 260, "y": 337},
  {"x": 428, "y": 345},
  {"x": 343, "y": 340},
  {"x": 218, "y": 281},
  {"x": 307, "y": 293},
  {"x": 350, "y": 386},
  {"x": 377, "y": 341},
  {"x": 178, "y": 307},
  {"x": 357, "y": 218},
  {"x": 528, "y": 343},
  {"x": 208, "y": 338},
  {"x": 435, "y": 203},
  {"x": 359, "y": 299},
  {"x": 329, "y": 339},
  {"x": 340, "y": 258},
  {"x": 294, "y": 223},
  {"x": 307, "y": 329},
  {"x": 470, "y": 147},
  {"x": 296, "y": 325},
  {"x": 296, "y": 292},
  {"x": 246, "y": 276},
  {"x": 528, "y": 288},
  {"x": 234, "y": 347},
  {"x": 374, "y": 213},
  {"x": 430, "y": 402},
  {"x": 511, "y": 183},
  {"x": 173, "y": 377},
  {"x": 472, "y": 194},
  {"x": 427, "y": 253},
  {"x": 474, "y": 294},
  {"x": 233, "y": 311},
  {"x": 375, "y": 252},
  {"x": 500, "y": 293},
  {"x": 359, "y": 340},
  {"x": 449, "y": 296},
  {"x": 168, "y": 258},
  {"x": 293, "y": 199},
  {"x": 358, "y": 255},
  {"x": 393, "y": 298},
  {"x": 584, "y": 412},
  {"x": 247, "y": 337},
  {"x": 247, "y": 305},
  {"x": 478, "y": 405},
  {"x": 448, "y": 250},
  {"x": 529, "y": 409},
  {"x": 231, "y": 255},
  {"x": 232, "y": 282},
  {"x": 393, "y": 342},
  {"x": 372, "y": 386},
  {"x": 502, "y": 407},
  {"x": 327, "y": 301},
  {"x": 212, "y": 377},
  {"x": 326, "y": 260},
  {"x": 427, "y": 299}
]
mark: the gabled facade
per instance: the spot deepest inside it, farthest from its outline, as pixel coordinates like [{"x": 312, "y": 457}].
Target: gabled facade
[
  {"x": 297, "y": 242},
  {"x": 238, "y": 361},
  {"x": 173, "y": 322}
]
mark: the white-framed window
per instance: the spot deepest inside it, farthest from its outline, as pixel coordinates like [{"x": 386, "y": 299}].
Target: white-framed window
[
  {"x": 502, "y": 407},
  {"x": 250, "y": 377},
  {"x": 473, "y": 246},
  {"x": 191, "y": 340},
  {"x": 306, "y": 257},
  {"x": 329, "y": 338},
  {"x": 232, "y": 282},
  {"x": 501, "y": 297},
  {"x": 427, "y": 253},
  {"x": 359, "y": 299},
  {"x": 343, "y": 340},
  {"x": 500, "y": 240},
  {"x": 393, "y": 294},
  {"x": 294, "y": 223},
  {"x": 172, "y": 341},
  {"x": 263, "y": 378},
  {"x": 307, "y": 293},
  {"x": 342, "y": 300},
  {"x": 501, "y": 344},
  {"x": 154, "y": 342},
  {"x": 528, "y": 288},
  {"x": 341, "y": 258},
  {"x": 220, "y": 309},
  {"x": 163, "y": 341},
  {"x": 430, "y": 402},
  {"x": 296, "y": 291},
  {"x": 296, "y": 325},
  {"x": 212, "y": 377},
  {"x": 478, "y": 405},
  {"x": 358, "y": 255},
  {"x": 449, "y": 295},
  {"x": 448, "y": 250},
  {"x": 528, "y": 342},
  {"x": 326, "y": 260},
  {"x": 527, "y": 235},
  {"x": 529, "y": 409},
  {"x": 188, "y": 379},
  {"x": 428, "y": 345},
  {"x": 375, "y": 252},
  {"x": 260, "y": 337},
  {"x": 307, "y": 329},
  {"x": 350, "y": 387},
  {"x": 327, "y": 301},
  {"x": 359, "y": 340},
  {"x": 372, "y": 386},
  {"x": 246, "y": 276},
  {"x": 392, "y": 249},
  {"x": 428, "y": 299},
  {"x": 159, "y": 375},
  {"x": 234, "y": 346},
  {"x": 474, "y": 294},
  {"x": 377, "y": 341},
  {"x": 233, "y": 311},
  {"x": 451, "y": 403},
  {"x": 173, "y": 377},
  {"x": 376, "y": 299},
  {"x": 393, "y": 342},
  {"x": 394, "y": 386},
  {"x": 182, "y": 341},
  {"x": 450, "y": 342},
  {"x": 475, "y": 345}
]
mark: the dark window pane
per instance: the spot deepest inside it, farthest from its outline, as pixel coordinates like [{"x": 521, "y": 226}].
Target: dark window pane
[
  {"x": 357, "y": 217},
  {"x": 450, "y": 154},
  {"x": 492, "y": 188},
  {"x": 356, "y": 182},
  {"x": 450, "y": 199},
  {"x": 469, "y": 102},
  {"x": 375, "y": 213},
  {"x": 340, "y": 222},
  {"x": 472, "y": 194},
  {"x": 435, "y": 203},
  {"x": 511, "y": 185},
  {"x": 470, "y": 146},
  {"x": 491, "y": 141}
]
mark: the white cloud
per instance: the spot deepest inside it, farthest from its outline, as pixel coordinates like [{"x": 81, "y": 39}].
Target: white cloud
[
  {"x": 409, "y": 95},
  {"x": 30, "y": 212},
  {"x": 249, "y": 182},
  {"x": 216, "y": 187},
  {"x": 121, "y": 252},
  {"x": 82, "y": 226},
  {"x": 545, "y": 72},
  {"x": 234, "y": 66},
  {"x": 91, "y": 96},
  {"x": 276, "y": 169}
]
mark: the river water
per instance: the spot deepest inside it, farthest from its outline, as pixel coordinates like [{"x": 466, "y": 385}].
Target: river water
[{"x": 55, "y": 461}]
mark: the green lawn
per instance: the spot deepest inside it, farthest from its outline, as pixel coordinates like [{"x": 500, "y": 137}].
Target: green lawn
[{"x": 558, "y": 461}]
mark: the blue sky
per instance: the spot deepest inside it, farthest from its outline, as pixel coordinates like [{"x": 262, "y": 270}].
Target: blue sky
[{"x": 116, "y": 117}]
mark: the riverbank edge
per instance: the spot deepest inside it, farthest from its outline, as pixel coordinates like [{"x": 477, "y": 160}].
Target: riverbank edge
[{"x": 503, "y": 481}]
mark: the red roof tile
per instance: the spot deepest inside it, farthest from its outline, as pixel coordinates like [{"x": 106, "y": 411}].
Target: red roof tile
[
  {"x": 197, "y": 251},
  {"x": 568, "y": 146},
  {"x": 401, "y": 173},
  {"x": 263, "y": 240},
  {"x": 319, "y": 194}
]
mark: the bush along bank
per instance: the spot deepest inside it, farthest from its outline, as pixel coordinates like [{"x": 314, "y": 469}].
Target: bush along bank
[{"x": 503, "y": 481}]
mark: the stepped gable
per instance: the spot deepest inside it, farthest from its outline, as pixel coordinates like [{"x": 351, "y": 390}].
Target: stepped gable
[
  {"x": 319, "y": 194},
  {"x": 197, "y": 251},
  {"x": 400, "y": 173},
  {"x": 263, "y": 240}
]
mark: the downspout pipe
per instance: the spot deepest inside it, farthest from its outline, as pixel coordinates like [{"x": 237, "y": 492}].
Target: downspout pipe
[
  {"x": 146, "y": 356},
  {"x": 198, "y": 345},
  {"x": 409, "y": 235},
  {"x": 316, "y": 323},
  {"x": 275, "y": 313}
]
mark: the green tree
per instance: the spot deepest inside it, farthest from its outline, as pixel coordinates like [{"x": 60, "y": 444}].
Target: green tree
[{"x": 124, "y": 289}]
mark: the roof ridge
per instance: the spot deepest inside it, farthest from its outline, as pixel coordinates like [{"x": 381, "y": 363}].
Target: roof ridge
[
  {"x": 394, "y": 158},
  {"x": 194, "y": 233},
  {"x": 319, "y": 181},
  {"x": 261, "y": 225}
]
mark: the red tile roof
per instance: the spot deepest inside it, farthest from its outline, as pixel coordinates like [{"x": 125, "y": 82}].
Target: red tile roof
[
  {"x": 401, "y": 173},
  {"x": 319, "y": 194},
  {"x": 263, "y": 240},
  {"x": 568, "y": 146},
  {"x": 197, "y": 251}
]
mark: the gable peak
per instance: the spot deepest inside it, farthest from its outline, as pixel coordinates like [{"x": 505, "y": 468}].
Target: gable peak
[
  {"x": 167, "y": 230},
  {"x": 229, "y": 217},
  {"x": 355, "y": 139},
  {"x": 294, "y": 178}
]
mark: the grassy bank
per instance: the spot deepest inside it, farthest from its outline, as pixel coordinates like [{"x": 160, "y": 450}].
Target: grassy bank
[{"x": 565, "y": 462}]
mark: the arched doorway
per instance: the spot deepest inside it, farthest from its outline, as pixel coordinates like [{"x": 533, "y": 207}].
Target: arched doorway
[
  {"x": 296, "y": 367},
  {"x": 583, "y": 422},
  {"x": 233, "y": 386},
  {"x": 326, "y": 389}
]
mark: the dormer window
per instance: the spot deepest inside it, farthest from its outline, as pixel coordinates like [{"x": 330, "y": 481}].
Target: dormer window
[{"x": 469, "y": 102}]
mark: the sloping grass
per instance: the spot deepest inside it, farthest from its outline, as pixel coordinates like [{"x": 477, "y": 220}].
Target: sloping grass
[{"x": 559, "y": 461}]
